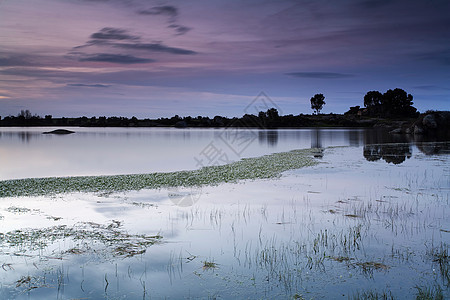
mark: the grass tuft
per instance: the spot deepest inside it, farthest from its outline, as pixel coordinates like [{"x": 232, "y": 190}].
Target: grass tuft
[{"x": 428, "y": 293}]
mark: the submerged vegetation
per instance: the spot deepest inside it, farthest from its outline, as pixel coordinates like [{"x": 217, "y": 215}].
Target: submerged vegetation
[
  {"x": 264, "y": 167},
  {"x": 429, "y": 293},
  {"x": 87, "y": 238},
  {"x": 309, "y": 235},
  {"x": 373, "y": 295}
]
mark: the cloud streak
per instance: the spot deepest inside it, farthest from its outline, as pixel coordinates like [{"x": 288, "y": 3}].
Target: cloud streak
[
  {"x": 154, "y": 47},
  {"x": 441, "y": 57},
  {"x": 109, "y": 33},
  {"x": 115, "y": 58},
  {"x": 179, "y": 29},
  {"x": 88, "y": 85},
  {"x": 319, "y": 75},
  {"x": 167, "y": 10},
  {"x": 12, "y": 60},
  {"x": 120, "y": 38}
]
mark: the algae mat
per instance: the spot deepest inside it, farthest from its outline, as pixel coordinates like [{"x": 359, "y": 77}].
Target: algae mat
[{"x": 263, "y": 167}]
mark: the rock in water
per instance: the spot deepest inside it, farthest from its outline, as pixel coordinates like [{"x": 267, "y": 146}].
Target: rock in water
[
  {"x": 433, "y": 123},
  {"x": 59, "y": 131}
]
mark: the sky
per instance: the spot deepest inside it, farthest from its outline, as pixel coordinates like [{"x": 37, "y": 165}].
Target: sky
[{"x": 159, "y": 58}]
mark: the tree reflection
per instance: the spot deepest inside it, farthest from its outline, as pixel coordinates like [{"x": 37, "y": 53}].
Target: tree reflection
[
  {"x": 390, "y": 153},
  {"x": 316, "y": 143},
  {"x": 270, "y": 137}
]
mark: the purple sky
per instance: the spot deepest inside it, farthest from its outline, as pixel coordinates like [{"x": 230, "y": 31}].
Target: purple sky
[{"x": 159, "y": 58}]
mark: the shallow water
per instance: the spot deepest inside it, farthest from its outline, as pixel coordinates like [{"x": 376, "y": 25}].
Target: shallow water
[
  {"x": 26, "y": 152},
  {"x": 369, "y": 218}
]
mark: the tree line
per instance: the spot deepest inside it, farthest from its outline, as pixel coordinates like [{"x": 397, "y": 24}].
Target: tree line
[{"x": 392, "y": 104}]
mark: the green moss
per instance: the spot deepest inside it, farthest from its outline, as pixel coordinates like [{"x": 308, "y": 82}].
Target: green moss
[{"x": 268, "y": 166}]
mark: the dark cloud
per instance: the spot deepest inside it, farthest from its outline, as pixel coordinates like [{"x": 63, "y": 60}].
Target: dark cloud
[
  {"x": 319, "y": 75},
  {"x": 171, "y": 12},
  {"x": 92, "y": 43},
  {"x": 109, "y": 33},
  {"x": 38, "y": 73},
  {"x": 110, "y": 37},
  {"x": 179, "y": 29},
  {"x": 88, "y": 85},
  {"x": 167, "y": 10},
  {"x": 154, "y": 47},
  {"x": 115, "y": 58},
  {"x": 10, "y": 60}
]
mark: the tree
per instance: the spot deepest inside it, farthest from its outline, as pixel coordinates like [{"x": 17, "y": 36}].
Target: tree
[
  {"x": 373, "y": 99},
  {"x": 392, "y": 103},
  {"x": 372, "y": 102},
  {"x": 25, "y": 114},
  {"x": 398, "y": 102},
  {"x": 272, "y": 114},
  {"x": 317, "y": 102}
]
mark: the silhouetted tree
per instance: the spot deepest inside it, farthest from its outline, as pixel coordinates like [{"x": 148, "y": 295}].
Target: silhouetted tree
[
  {"x": 398, "y": 102},
  {"x": 317, "y": 102},
  {"x": 372, "y": 98},
  {"x": 372, "y": 101},
  {"x": 25, "y": 114},
  {"x": 392, "y": 103},
  {"x": 272, "y": 114}
]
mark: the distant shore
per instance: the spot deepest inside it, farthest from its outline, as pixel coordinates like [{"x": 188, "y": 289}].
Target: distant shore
[
  {"x": 250, "y": 121},
  {"x": 429, "y": 123}
]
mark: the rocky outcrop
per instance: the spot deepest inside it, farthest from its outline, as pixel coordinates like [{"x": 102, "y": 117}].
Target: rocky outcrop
[
  {"x": 433, "y": 123},
  {"x": 59, "y": 131}
]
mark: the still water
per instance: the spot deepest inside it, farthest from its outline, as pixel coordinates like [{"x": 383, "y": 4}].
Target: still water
[
  {"x": 26, "y": 152},
  {"x": 371, "y": 220}
]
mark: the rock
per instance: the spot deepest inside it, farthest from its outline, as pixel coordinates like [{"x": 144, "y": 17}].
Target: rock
[
  {"x": 436, "y": 123},
  {"x": 59, "y": 131},
  {"x": 396, "y": 131},
  {"x": 429, "y": 121},
  {"x": 418, "y": 129}
]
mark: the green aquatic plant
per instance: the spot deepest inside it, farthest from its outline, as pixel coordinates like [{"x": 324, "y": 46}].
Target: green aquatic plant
[
  {"x": 263, "y": 167},
  {"x": 207, "y": 265}
]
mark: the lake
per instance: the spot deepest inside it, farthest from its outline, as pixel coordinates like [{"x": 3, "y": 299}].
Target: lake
[
  {"x": 369, "y": 220},
  {"x": 26, "y": 152}
]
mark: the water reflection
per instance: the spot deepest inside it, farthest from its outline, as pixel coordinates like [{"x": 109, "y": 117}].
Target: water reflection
[
  {"x": 434, "y": 148},
  {"x": 24, "y": 136},
  {"x": 390, "y": 153},
  {"x": 316, "y": 143},
  {"x": 269, "y": 137},
  {"x": 270, "y": 238},
  {"x": 109, "y": 151}
]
